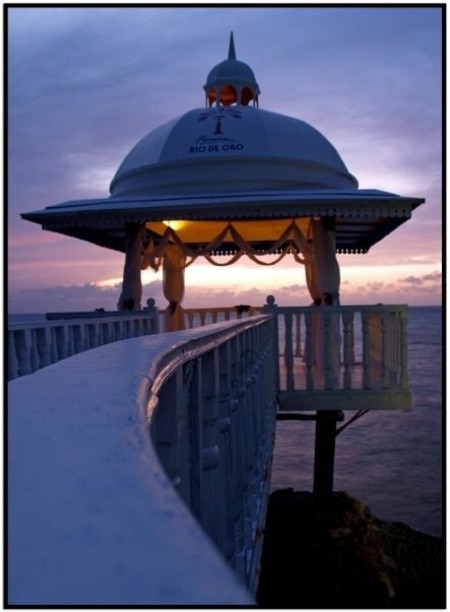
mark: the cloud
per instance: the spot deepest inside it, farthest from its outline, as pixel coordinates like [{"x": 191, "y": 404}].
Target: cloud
[
  {"x": 72, "y": 298},
  {"x": 428, "y": 279}
]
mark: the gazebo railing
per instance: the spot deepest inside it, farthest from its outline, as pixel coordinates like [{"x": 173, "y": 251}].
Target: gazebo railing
[
  {"x": 330, "y": 357},
  {"x": 200, "y": 405},
  {"x": 198, "y": 317},
  {"x": 337, "y": 357},
  {"x": 215, "y": 430},
  {"x": 32, "y": 346}
]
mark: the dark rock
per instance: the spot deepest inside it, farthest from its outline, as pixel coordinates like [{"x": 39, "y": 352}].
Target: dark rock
[{"x": 336, "y": 554}]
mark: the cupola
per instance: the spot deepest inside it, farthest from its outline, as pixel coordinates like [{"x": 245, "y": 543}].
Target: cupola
[{"x": 231, "y": 82}]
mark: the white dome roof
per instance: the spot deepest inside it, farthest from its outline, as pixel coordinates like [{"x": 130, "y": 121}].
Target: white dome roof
[
  {"x": 231, "y": 162},
  {"x": 209, "y": 150}
]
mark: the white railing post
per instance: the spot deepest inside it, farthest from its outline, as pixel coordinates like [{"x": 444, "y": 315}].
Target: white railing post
[
  {"x": 403, "y": 350},
  {"x": 34, "y": 355},
  {"x": 23, "y": 352},
  {"x": 152, "y": 317},
  {"x": 13, "y": 365},
  {"x": 238, "y": 470},
  {"x": 62, "y": 338},
  {"x": 365, "y": 349},
  {"x": 211, "y": 519},
  {"x": 288, "y": 351},
  {"x": 298, "y": 338},
  {"x": 225, "y": 448},
  {"x": 327, "y": 348},
  {"x": 347, "y": 324},
  {"x": 79, "y": 338},
  {"x": 386, "y": 351},
  {"x": 270, "y": 307},
  {"x": 165, "y": 429},
  {"x": 309, "y": 353},
  {"x": 36, "y": 345},
  {"x": 44, "y": 340}
]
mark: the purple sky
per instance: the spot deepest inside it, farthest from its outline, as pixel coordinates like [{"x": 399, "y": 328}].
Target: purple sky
[{"x": 85, "y": 84}]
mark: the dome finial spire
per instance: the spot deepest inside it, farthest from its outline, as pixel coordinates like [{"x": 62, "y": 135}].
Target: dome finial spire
[
  {"x": 231, "y": 49},
  {"x": 231, "y": 82}
]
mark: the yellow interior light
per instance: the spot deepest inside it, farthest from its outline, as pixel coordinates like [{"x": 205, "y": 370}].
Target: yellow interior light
[{"x": 174, "y": 224}]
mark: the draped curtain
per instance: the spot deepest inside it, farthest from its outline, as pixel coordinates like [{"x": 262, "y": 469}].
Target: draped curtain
[{"x": 291, "y": 241}]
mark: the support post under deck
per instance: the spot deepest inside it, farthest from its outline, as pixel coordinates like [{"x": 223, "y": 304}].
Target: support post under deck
[{"x": 325, "y": 444}]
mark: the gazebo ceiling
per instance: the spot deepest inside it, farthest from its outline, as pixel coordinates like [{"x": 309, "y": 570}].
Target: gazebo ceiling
[{"x": 231, "y": 163}]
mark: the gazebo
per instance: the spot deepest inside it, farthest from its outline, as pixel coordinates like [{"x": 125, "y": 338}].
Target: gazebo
[{"x": 231, "y": 179}]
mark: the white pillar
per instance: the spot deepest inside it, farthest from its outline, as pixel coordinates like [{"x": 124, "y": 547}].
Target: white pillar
[
  {"x": 326, "y": 277},
  {"x": 130, "y": 298}
]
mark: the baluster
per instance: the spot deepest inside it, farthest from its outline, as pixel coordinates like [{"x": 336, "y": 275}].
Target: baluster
[
  {"x": 347, "y": 321},
  {"x": 94, "y": 335},
  {"x": 34, "y": 355},
  {"x": 386, "y": 349},
  {"x": 23, "y": 352},
  {"x": 113, "y": 331},
  {"x": 298, "y": 342},
  {"x": 246, "y": 446},
  {"x": 396, "y": 318},
  {"x": 71, "y": 340},
  {"x": 327, "y": 348},
  {"x": 352, "y": 358},
  {"x": 398, "y": 343},
  {"x": 53, "y": 345},
  {"x": 139, "y": 327},
  {"x": 13, "y": 366},
  {"x": 365, "y": 350},
  {"x": 150, "y": 313},
  {"x": 108, "y": 332},
  {"x": 226, "y": 450},
  {"x": 125, "y": 329},
  {"x": 393, "y": 352},
  {"x": 212, "y": 504},
  {"x": 62, "y": 341},
  {"x": 165, "y": 427},
  {"x": 309, "y": 351},
  {"x": 253, "y": 438},
  {"x": 132, "y": 328},
  {"x": 403, "y": 349},
  {"x": 192, "y": 376},
  {"x": 237, "y": 452},
  {"x": 79, "y": 338},
  {"x": 288, "y": 352},
  {"x": 202, "y": 318},
  {"x": 100, "y": 333},
  {"x": 44, "y": 341}
]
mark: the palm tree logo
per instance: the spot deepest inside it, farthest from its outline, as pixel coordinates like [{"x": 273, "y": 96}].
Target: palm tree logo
[{"x": 218, "y": 116}]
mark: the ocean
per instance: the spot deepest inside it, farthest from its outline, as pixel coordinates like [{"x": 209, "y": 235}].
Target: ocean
[{"x": 391, "y": 461}]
